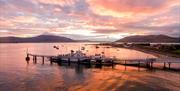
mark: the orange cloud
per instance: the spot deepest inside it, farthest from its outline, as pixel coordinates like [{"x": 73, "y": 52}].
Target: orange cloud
[
  {"x": 100, "y": 18},
  {"x": 5, "y": 23},
  {"x": 25, "y": 19},
  {"x": 19, "y": 20},
  {"x": 127, "y": 8}
]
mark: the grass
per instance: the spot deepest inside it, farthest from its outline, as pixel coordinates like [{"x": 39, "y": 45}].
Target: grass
[{"x": 177, "y": 51}]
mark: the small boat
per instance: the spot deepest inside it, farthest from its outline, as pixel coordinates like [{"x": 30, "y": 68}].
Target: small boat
[
  {"x": 97, "y": 47},
  {"x": 82, "y": 48},
  {"x": 75, "y": 56},
  {"x": 56, "y": 47},
  {"x": 78, "y": 54},
  {"x": 126, "y": 45},
  {"x": 107, "y": 47}
]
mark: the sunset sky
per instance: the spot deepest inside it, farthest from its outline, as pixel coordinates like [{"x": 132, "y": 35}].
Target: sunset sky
[{"x": 89, "y": 19}]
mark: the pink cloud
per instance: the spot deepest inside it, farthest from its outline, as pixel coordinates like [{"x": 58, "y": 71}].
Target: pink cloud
[
  {"x": 58, "y": 2},
  {"x": 127, "y": 8},
  {"x": 91, "y": 17}
]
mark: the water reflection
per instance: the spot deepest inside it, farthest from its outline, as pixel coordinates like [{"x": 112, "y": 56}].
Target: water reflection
[{"x": 17, "y": 75}]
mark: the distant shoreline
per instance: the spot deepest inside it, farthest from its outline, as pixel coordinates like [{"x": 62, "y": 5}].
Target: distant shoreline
[
  {"x": 158, "y": 53},
  {"x": 52, "y": 42}
]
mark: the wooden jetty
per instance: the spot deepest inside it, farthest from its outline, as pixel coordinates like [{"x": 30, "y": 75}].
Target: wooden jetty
[
  {"x": 92, "y": 60},
  {"x": 35, "y": 56},
  {"x": 69, "y": 59}
]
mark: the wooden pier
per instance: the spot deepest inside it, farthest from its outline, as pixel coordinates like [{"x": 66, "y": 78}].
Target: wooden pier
[{"x": 148, "y": 63}]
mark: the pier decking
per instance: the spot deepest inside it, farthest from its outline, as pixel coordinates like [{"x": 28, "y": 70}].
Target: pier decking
[{"x": 90, "y": 60}]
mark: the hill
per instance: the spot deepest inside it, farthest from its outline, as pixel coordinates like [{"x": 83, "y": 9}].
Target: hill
[
  {"x": 36, "y": 39},
  {"x": 150, "y": 38}
]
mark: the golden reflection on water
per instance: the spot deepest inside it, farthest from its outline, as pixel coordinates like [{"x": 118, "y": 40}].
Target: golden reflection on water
[
  {"x": 129, "y": 80},
  {"x": 17, "y": 75}
]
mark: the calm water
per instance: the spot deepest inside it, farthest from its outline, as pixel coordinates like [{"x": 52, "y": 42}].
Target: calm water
[{"x": 17, "y": 75}]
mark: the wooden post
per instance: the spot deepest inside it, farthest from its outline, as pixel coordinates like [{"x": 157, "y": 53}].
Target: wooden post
[
  {"x": 78, "y": 61},
  {"x": 112, "y": 63},
  {"x": 27, "y": 57},
  {"x": 69, "y": 61},
  {"x": 164, "y": 65},
  {"x": 100, "y": 62},
  {"x": 169, "y": 64},
  {"x": 42, "y": 59},
  {"x": 59, "y": 61},
  {"x": 35, "y": 59},
  {"x": 27, "y": 62},
  {"x": 146, "y": 64},
  {"x": 51, "y": 60},
  {"x": 125, "y": 64},
  {"x": 151, "y": 64},
  {"x": 138, "y": 65},
  {"x": 89, "y": 61}
]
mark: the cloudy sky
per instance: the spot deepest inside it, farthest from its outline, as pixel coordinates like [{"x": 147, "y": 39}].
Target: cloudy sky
[{"x": 89, "y": 19}]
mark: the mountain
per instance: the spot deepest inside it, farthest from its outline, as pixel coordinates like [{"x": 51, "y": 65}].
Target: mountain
[
  {"x": 40, "y": 38},
  {"x": 83, "y": 41},
  {"x": 150, "y": 38}
]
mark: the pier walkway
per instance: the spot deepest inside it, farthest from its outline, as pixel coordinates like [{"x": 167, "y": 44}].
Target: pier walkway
[{"x": 91, "y": 60}]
